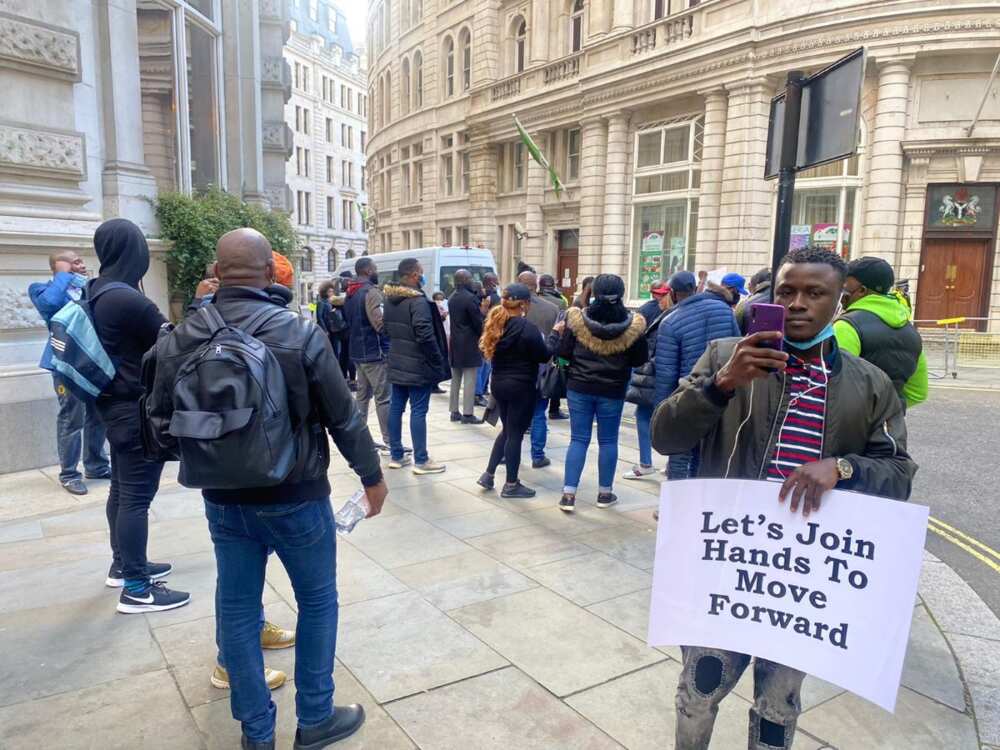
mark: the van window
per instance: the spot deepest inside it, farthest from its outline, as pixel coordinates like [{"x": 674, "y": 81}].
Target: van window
[{"x": 447, "y": 276}]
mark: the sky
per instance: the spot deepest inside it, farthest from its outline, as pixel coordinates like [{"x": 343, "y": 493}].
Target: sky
[{"x": 356, "y": 10}]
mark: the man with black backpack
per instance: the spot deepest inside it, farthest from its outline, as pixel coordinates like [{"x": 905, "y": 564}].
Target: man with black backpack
[
  {"x": 127, "y": 324},
  {"x": 242, "y": 392}
]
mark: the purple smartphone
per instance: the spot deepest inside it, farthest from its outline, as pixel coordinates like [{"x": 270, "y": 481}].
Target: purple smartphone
[{"x": 765, "y": 317}]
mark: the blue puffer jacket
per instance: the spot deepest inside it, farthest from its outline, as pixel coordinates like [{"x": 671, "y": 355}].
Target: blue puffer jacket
[{"x": 685, "y": 334}]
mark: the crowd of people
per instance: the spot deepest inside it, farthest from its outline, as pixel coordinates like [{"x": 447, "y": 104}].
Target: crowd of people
[{"x": 244, "y": 391}]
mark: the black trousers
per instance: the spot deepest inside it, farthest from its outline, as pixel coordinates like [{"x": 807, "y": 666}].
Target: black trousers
[
  {"x": 134, "y": 482},
  {"x": 341, "y": 347},
  {"x": 516, "y": 407},
  {"x": 554, "y": 406}
]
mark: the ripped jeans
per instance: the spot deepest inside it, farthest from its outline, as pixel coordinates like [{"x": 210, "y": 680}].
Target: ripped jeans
[{"x": 709, "y": 675}]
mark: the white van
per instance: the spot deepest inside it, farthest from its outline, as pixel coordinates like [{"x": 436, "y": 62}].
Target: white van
[{"x": 439, "y": 264}]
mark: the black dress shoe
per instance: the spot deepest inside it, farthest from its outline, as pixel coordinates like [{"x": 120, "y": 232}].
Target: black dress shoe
[
  {"x": 471, "y": 419},
  {"x": 481, "y": 401},
  {"x": 456, "y": 416},
  {"x": 251, "y": 745},
  {"x": 558, "y": 415},
  {"x": 346, "y": 720}
]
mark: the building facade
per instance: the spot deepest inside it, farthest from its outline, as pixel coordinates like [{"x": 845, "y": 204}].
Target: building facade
[
  {"x": 108, "y": 103},
  {"x": 655, "y": 115},
  {"x": 326, "y": 112}
]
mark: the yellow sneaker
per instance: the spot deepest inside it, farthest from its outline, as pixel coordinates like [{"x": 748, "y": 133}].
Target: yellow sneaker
[
  {"x": 274, "y": 637},
  {"x": 275, "y": 678}
]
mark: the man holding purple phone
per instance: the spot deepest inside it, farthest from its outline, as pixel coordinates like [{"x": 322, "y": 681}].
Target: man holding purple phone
[{"x": 810, "y": 417}]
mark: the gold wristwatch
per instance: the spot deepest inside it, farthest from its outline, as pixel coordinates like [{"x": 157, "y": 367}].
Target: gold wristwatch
[{"x": 845, "y": 469}]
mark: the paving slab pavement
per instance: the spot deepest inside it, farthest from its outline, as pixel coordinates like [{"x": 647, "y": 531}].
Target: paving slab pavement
[{"x": 467, "y": 621}]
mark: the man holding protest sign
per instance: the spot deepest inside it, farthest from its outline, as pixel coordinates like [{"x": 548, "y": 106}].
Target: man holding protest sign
[{"x": 808, "y": 416}]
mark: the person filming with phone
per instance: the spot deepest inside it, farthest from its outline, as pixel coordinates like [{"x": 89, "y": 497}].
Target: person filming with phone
[{"x": 783, "y": 405}]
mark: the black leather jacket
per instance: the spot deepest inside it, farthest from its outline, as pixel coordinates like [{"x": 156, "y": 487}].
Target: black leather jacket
[{"x": 318, "y": 397}]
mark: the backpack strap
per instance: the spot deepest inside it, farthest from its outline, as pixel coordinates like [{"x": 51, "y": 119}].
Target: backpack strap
[
  {"x": 262, "y": 318},
  {"x": 210, "y": 314},
  {"x": 92, "y": 296}
]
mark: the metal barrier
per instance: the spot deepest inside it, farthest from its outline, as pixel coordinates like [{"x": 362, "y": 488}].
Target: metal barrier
[{"x": 949, "y": 346}]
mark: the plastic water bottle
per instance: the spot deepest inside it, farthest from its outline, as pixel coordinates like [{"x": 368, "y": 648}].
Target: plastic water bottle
[{"x": 353, "y": 511}]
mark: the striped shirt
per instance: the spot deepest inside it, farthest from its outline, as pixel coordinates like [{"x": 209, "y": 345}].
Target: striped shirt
[{"x": 800, "y": 440}]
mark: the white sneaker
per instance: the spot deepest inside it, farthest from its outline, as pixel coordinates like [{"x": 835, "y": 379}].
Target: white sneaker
[
  {"x": 404, "y": 461},
  {"x": 428, "y": 467},
  {"x": 638, "y": 472}
]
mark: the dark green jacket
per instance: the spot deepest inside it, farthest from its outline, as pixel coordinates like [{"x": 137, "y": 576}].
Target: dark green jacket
[{"x": 864, "y": 423}]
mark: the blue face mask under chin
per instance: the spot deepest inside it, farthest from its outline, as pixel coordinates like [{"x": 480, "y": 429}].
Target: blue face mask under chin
[{"x": 826, "y": 333}]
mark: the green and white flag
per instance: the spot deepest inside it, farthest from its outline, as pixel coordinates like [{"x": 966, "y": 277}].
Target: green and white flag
[
  {"x": 538, "y": 156},
  {"x": 363, "y": 210}
]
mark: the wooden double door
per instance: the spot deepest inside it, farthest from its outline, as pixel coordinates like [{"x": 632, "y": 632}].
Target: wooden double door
[
  {"x": 568, "y": 259},
  {"x": 954, "y": 279}
]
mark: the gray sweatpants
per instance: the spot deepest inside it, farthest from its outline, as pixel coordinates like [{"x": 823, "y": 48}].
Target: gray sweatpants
[
  {"x": 373, "y": 382},
  {"x": 709, "y": 675},
  {"x": 466, "y": 378}
]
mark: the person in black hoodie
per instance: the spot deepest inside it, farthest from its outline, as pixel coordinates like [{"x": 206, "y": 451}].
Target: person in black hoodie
[
  {"x": 465, "y": 312},
  {"x": 516, "y": 347},
  {"x": 294, "y": 518},
  {"x": 127, "y": 323},
  {"x": 602, "y": 343}
]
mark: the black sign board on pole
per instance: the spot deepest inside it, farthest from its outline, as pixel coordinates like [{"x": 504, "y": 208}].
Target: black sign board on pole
[
  {"x": 829, "y": 116},
  {"x": 813, "y": 122}
]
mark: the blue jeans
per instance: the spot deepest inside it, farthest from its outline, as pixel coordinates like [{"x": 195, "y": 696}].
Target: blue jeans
[
  {"x": 643, "y": 416},
  {"x": 539, "y": 429},
  {"x": 220, "y": 659},
  {"x": 78, "y": 429},
  {"x": 419, "y": 397},
  {"x": 583, "y": 410},
  {"x": 681, "y": 466},
  {"x": 303, "y": 536},
  {"x": 483, "y": 378}
]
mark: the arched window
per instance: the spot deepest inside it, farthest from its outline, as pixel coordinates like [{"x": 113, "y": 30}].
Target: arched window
[
  {"x": 306, "y": 262},
  {"x": 418, "y": 80},
  {"x": 520, "y": 44},
  {"x": 387, "y": 98},
  {"x": 465, "y": 45},
  {"x": 379, "y": 116},
  {"x": 449, "y": 67},
  {"x": 331, "y": 260},
  {"x": 576, "y": 26},
  {"x": 659, "y": 9},
  {"x": 404, "y": 82}
]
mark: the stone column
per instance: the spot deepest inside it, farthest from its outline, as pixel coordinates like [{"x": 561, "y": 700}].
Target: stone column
[
  {"x": 744, "y": 235},
  {"x": 244, "y": 132},
  {"x": 712, "y": 163},
  {"x": 615, "y": 251},
  {"x": 885, "y": 173},
  {"x": 276, "y": 140},
  {"x": 482, "y": 194},
  {"x": 128, "y": 185},
  {"x": 534, "y": 222},
  {"x": 592, "y": 178},
  {"x": 599, "y": 20},
  {"x": 907, "y": 262},
  {"x": 487, "y": 36},
  {"x": 538, "y": 36},
  {"x": 623, "y": 17}
]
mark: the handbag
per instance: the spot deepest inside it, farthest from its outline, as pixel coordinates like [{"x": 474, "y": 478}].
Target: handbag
[
  {"x": 492, "y": 415},
  {"x": 642, "y": 385},
  {"x": 553, "y": 382}
]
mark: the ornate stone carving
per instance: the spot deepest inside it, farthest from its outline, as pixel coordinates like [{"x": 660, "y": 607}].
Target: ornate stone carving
[
  {"x": 272, "y": 9},
  {"x": 48, "y": 50},
  {"x": 45, "y": 151},
  {"x": 272, "y": 69},
  {"x": 278, "y": 196},
  {"x": 16, "y": 310},
  {"x": 275, "y": 136}
]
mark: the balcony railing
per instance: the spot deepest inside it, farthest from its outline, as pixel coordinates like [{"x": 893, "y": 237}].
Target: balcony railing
[
  {"x": 664, "y": 32},
  {"x": 506, "y": 89},
  {"x": 562, "y": 70}
]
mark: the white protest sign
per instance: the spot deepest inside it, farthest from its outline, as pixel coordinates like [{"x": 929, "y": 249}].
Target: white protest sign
[
  {"x": 716, "y": 275},
  {"x": 831, "y": 594}
]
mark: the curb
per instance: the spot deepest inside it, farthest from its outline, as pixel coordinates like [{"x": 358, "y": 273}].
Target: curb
[{"x": 972, "y": 632}]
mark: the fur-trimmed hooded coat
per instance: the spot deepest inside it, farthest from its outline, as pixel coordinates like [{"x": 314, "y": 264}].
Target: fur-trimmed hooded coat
[
  {"x": 418, "y": 348},
  {"x": 601, "y": 355}
]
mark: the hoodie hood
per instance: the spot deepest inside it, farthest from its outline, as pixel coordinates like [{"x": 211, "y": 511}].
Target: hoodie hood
[
  {"x": 396, "y": 293},
  {"x": 605, "y": 338},
  {"x": 279, "y": 294},
  {"x": 121, "y": 247},
  {"x": 890, "y": 310},
  {"x": 354, "y": 286}
]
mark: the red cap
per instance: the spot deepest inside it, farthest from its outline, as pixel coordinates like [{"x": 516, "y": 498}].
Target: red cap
[{"x": 659, "y": 288}]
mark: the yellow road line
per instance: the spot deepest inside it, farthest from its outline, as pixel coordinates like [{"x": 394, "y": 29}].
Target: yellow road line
[
  {"x": 971, "y": 540},
  {"x": 971, "y": 550}
]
